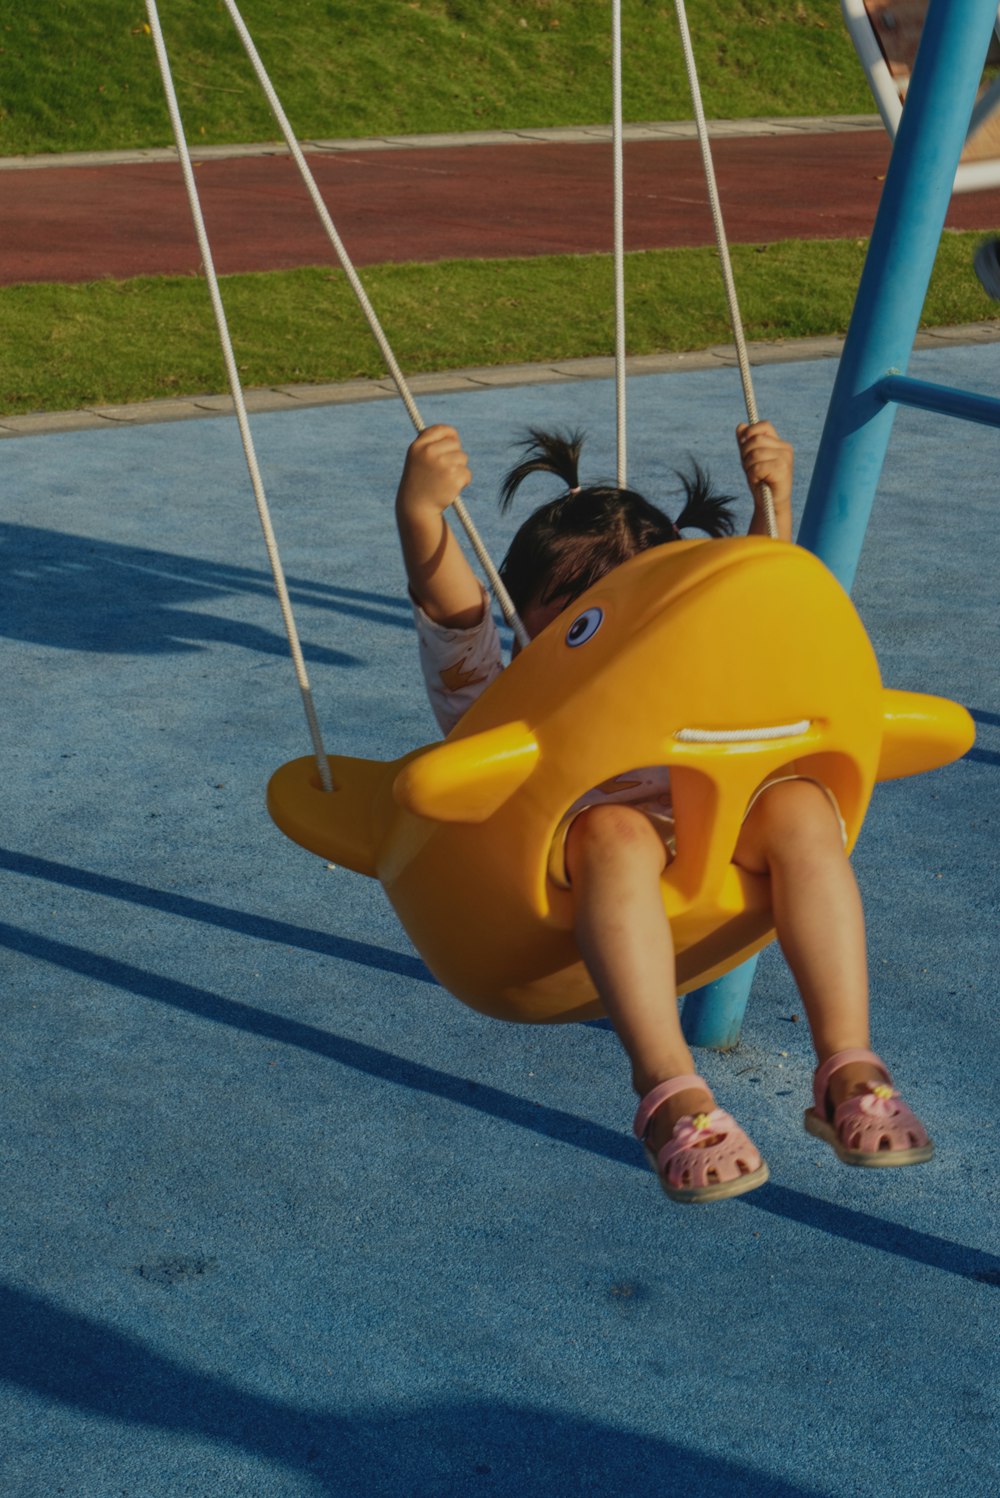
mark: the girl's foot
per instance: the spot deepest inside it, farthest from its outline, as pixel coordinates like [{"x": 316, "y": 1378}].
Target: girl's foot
[
  {"x": 859, "y": 1113},
  {"x": 698, "y": 1156}
]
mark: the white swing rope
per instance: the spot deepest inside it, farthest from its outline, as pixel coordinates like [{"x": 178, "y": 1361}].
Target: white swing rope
[
  {"x": 263, "y": 510},
  {"x": 618, "y": 174},
  {"x": 735, "y": 320},
  {"x": 475, "y": 540}
]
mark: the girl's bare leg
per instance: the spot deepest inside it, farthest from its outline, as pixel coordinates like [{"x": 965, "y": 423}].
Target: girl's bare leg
[
  {"x": 793, "y": 835},
  {"x": 614, "y": 858}
]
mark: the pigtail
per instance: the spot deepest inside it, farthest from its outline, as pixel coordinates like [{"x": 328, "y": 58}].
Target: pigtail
[
  {"x": 704, "y": 510},
  {"x": 545, "y": 452}
]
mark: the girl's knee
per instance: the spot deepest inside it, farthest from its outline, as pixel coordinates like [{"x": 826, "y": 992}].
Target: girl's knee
[
  {"x": 787, "y": 815},
  {"x": 603, "y": 832},
  {"x": 795, "y": 802}
]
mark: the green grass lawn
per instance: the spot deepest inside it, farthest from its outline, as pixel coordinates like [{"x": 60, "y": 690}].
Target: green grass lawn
[
  {"x": 108, "y": 342},
  {"x": 76, "y": 75}
]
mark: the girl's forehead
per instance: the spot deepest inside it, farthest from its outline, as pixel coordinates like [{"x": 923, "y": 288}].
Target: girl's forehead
[
  {"x": 543, "y": 613},
  {"x": 535, "y": 616}
]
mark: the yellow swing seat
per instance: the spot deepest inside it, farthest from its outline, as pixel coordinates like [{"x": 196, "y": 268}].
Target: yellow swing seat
[{"x": 728, "y": 662}]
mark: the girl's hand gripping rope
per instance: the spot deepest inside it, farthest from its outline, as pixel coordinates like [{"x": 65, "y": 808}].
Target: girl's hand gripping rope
[
  {"x": 435, "y": 473},
  {"x": 767, "y": 460}
]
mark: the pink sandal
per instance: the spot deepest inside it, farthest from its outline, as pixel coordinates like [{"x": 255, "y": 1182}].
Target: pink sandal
[
  {"x": 707, "y": 1157},
  {"x": 875, "y": 1127}
]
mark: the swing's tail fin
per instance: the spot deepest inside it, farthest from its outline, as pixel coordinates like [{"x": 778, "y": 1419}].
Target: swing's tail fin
[{"x": 338, "y": 825}]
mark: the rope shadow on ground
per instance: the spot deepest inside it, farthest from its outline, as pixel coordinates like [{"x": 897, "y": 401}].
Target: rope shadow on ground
[
  {"x": 550, "y": 1123},
  {"x": 244, "y": 923}
]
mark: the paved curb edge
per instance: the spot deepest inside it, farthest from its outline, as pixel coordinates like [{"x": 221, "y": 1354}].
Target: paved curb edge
[
  {"x": 554, "y": 135},
  {"x": 349, "y": 392}
]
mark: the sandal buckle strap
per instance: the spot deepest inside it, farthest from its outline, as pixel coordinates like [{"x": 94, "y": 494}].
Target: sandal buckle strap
[
  {"x": 821, "y": 1081},
  {"x": 655, "y": 1099}
]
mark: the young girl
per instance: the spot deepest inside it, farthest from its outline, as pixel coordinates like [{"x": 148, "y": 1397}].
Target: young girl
[{"x": 617, "y": 841}]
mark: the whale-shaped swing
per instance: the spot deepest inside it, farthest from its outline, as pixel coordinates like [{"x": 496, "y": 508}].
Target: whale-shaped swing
[
  {"x": 668, "y": 660},
  {"x": 459, "y": 833}
]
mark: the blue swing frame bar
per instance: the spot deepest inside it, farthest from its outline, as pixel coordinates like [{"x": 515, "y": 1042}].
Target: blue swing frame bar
[{"x": 869, "y": 385}]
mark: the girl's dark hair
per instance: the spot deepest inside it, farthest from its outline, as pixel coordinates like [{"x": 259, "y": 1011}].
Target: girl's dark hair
[{"x": 573, "y": 541}]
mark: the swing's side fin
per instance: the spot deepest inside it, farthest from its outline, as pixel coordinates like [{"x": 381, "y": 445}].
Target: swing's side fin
[
  {"x": 920, "y": 733},
  {"x": 467, "y": 779}
]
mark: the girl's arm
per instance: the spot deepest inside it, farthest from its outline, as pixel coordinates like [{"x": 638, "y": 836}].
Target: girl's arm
[
  {"x": 440, "y": 578},
  {"x": 767, "y": 460}
]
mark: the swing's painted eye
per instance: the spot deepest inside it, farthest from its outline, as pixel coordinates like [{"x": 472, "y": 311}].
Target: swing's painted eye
[{"x": 584, "y": 627}]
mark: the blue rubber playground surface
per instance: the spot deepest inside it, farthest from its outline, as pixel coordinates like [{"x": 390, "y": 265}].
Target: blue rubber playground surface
[{"x": 281, "y": 1217}]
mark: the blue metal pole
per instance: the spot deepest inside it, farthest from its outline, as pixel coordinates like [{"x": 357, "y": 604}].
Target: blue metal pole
[
  {"x": 945, "y": 400},
  {"x": 712, "y": 1016},
  {"x": 895, "y": 278}
]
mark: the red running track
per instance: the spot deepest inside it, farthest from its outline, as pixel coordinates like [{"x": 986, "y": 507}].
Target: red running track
[{"x": 84, "y": 222}]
